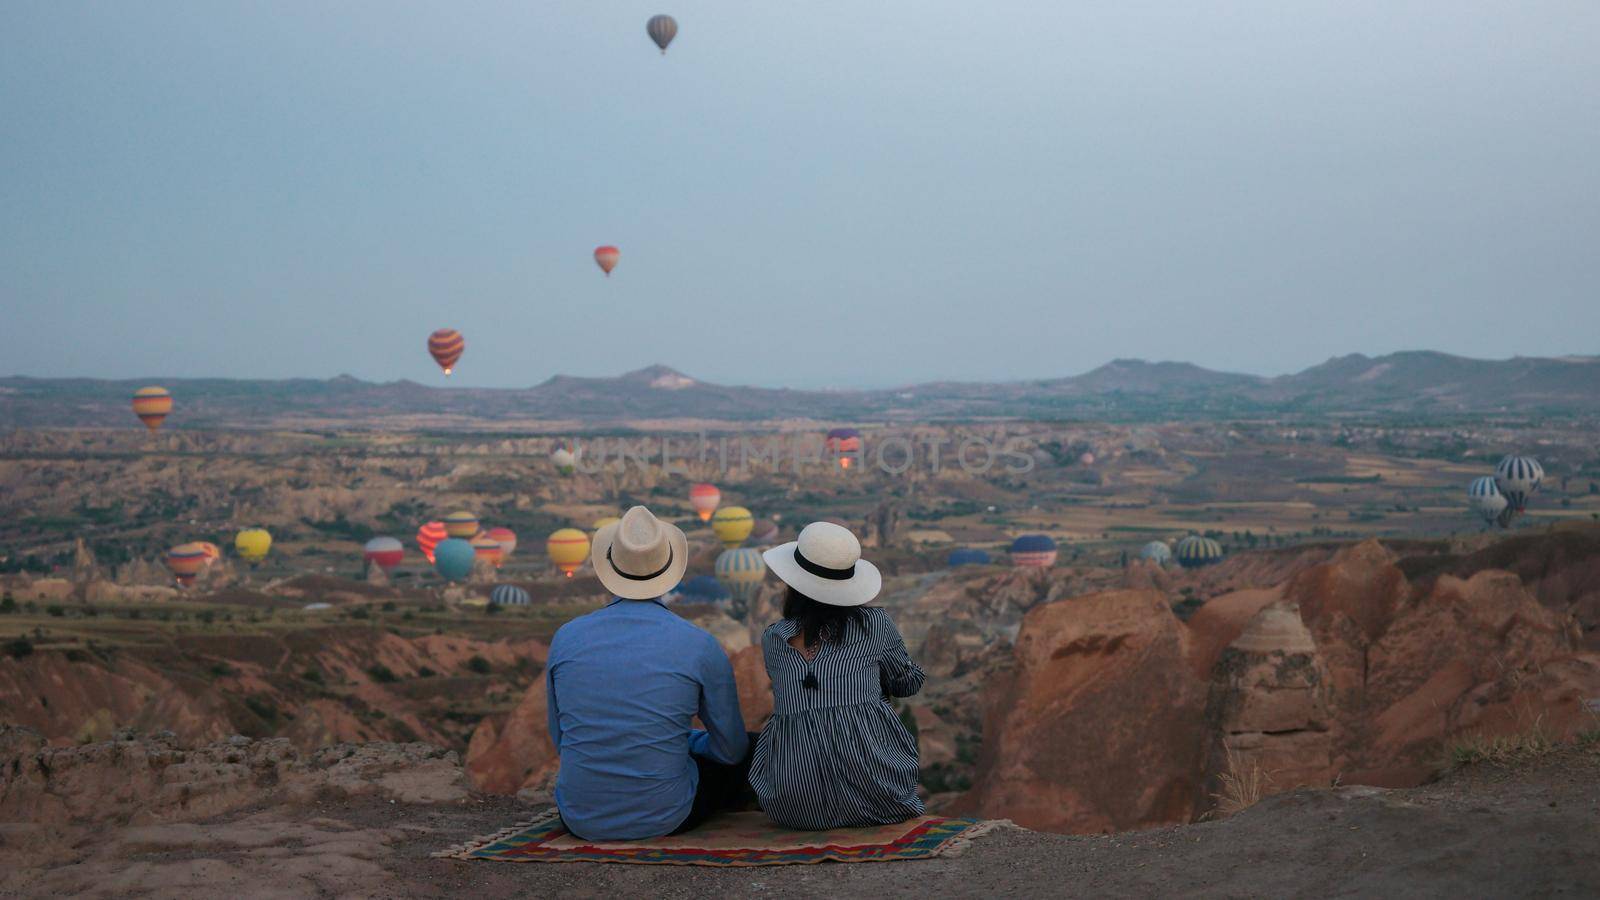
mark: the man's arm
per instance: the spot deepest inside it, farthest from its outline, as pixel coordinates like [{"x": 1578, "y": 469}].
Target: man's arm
[
  {"x": 724, "y": 739},
  {"x": 553, "y": 714}
]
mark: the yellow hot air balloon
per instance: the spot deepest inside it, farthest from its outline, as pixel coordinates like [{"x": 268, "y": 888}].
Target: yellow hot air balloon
[
  {"x": 731, "y": 525},
  {"x": 462, "y": 525},
  {"x": 152, "y": 405},
  {"x": 252, "y": 544},
  {"x": 568, "y": 548},
  {"x": 602, "y": 522}
]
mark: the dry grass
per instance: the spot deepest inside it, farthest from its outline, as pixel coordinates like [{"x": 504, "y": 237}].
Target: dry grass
[
  {"x": 1243, "y": 785},
  {"x": 1502, "y": 750}
]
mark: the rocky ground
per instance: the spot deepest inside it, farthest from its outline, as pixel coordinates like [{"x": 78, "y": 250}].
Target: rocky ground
[{"x": 143, "y": 817}]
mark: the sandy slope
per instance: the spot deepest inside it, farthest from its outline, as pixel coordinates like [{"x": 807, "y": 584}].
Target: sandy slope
[{"x": 1483, "y": 831}]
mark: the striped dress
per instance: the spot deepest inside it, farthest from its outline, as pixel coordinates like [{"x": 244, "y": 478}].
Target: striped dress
[{"x": 834, "y": 753}]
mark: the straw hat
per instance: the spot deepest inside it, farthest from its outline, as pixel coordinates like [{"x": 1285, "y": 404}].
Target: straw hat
[
  {"x": 640, "y": 557},
  {"x": 825, "y": 564}
]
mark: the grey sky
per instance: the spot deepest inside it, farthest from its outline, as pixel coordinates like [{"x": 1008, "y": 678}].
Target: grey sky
[{"x": 805, "y": 194}]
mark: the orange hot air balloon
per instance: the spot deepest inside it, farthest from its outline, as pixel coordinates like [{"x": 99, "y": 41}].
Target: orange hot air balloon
[
  {"x": 446, "y": 345},
  {"x": 507, "y": 539},
  {"x": 845, "y": 444},
  {"x": 152, "y": 405},
  {"x": 488, "y": 549},
  {"x": 186, "y": 561},
  {"x": 429, "y": 536},
  {"x": 704, "y": 498},
  {"x": 568, "y": 548},
  {"x": 606, "y": 258}
]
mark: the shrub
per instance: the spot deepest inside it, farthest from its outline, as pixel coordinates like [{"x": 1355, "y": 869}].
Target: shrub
[
  {"x": 77, "y": 656},
  {"x": 382, "y": 673},
  {"x": 55, "y": 610},
  {"x": 479, "y": 665},
  {"x": 425, "y": 672},
  {"x": 262, "y": 707},
  {"x": 19, "y": 648},
  {"x": 312, "y": 675},
  {"x": 8, "y": 606},
  {"x": 360, "y": 612},
  {"x": 388, "y": 606}
]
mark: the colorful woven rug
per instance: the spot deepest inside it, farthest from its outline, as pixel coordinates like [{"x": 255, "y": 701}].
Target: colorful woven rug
[{"x": 735, "y": 839}]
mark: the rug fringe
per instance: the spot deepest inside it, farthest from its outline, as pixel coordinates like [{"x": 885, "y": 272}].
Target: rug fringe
[
  {"x": 963, "y": 842},
  {"x": 461, "y": 850}
]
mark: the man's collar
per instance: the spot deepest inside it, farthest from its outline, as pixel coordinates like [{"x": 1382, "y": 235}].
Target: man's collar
[{"x": 616, "y": 600}]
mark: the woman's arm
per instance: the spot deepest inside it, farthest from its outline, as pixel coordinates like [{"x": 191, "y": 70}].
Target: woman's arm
[{"x": 900, "y": 674}]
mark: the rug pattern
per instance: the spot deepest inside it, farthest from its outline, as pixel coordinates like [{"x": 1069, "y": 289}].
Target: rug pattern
[{"x": 740, "y": 839}]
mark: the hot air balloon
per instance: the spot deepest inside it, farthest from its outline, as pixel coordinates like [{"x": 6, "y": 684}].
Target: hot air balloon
[
  {"x": 565, "y": 461},
  {"x": 1484, "y": 496},
  {"x": 844, "y": 444},
  {"x": 1195, "y": 551},
  {"x": 507, "y": 540},
  {"x": 461, "y": 525},
  {"x": 704, "y": 498},
  {"x": 252, "y": 544},
  {"x": 488, "y": 549},
  {"x": 1033, "y": 551},
  {"x": 731, "y": 525},
  {"x": 966, "y": 557},
  {"x": 185, "y": 561},
  {"x": 662, "y": 29},
  {"x": 446, "y": 345},
  {"x": 509, "y": 595},
  {"x": 701, "y": 589},
  {"x": 764, "y": 532},
  {"x": 1157, "y": 552},
  {"x": 1518, "y": 478},
  {"x": 152, "y": 405},
  {"x": 606, "y": 258},
  {"x": 741, "y": 571},
  {"x": 603, "y": 521},
  {"x": 453, "y": 559},
  {"x": 568, "y": 548},
  {"x": 385, "y": 552},
  {"x": 429, "y": 536}
]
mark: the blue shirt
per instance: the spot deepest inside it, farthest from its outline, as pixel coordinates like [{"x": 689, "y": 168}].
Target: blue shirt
[{"x": 624, "y": 683}]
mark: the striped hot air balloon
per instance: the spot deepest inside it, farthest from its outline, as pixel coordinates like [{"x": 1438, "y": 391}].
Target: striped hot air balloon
[
  {"x": 605, "y": 257},
  {"x": 741, "y": 571},
  {"x": 252, "y": 544},
  {"x": 1484, "y": 496},
  {"x": 1518, "y": 478},
  {"x": 1195, "y": 551},
  {"x": 1157, "y": 552},
  {"x": 429, "y": 536},
  {"x": 704, "y": 498},
  {"x": 568, "y": 548},
  {"x": 507, "y": 539},
  {"x": 488, "y": 549},
  {"x": 385, "y": 552},
  {"x": 1034, "y": 551},
  {"x": 152, "y": 405},
  {"x": 844, "y": 444},
  {"x": 509, "y": 595},
  {"x": 662, "y": 29},
  {"x": 453, "y": 559},
  {"x": 966, "y": 556},
  {"x": 461, "y": 524},
  {"x": 186, "y": 561},
  {"x": 732, "y": 524},
  {"x": 446, "y": 346}
]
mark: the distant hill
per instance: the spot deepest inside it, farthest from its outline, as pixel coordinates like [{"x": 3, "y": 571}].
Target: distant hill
[{"x": 1411, "y": 383}]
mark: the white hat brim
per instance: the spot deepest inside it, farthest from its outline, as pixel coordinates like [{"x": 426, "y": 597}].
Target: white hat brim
[
  {"x": 630, "y": 588},
  {"x": 857, "y": 590}
]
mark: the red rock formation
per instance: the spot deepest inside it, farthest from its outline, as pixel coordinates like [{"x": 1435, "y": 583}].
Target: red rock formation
[
  {"x": 1097, "y": 730},
  {"x": 516, "y": 752}
]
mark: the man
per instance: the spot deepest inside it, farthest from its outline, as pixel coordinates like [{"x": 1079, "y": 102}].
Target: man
[{"x": 624, "y": 684}]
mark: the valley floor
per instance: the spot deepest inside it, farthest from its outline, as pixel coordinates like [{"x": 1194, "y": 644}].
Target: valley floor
[{"x": 1486, "y": 830}]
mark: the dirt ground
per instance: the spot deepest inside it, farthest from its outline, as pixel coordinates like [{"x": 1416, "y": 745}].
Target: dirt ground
[{"x": 1530, "y": 830}]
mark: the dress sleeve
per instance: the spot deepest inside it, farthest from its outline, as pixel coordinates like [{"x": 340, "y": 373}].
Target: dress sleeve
[{"x": 900, "y": 674}]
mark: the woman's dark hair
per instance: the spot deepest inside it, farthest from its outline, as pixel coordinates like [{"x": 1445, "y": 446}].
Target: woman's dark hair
[{"x": 818, "y": 621}]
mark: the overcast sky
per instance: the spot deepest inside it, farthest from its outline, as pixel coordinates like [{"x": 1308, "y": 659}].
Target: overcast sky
[{"x": 828, "y": 193}]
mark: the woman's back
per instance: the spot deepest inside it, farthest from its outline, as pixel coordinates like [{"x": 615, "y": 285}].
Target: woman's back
[{"x": 834, "y": 753}]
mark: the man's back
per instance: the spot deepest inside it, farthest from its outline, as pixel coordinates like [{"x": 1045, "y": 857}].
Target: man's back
[{"x": 624, "y": 684}]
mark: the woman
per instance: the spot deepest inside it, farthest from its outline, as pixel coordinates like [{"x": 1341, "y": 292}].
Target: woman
[{"x": 834, "y": 754}]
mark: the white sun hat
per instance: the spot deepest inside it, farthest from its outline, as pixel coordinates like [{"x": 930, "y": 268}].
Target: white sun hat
[
  {"x": 825, "y": 564},
  {"x": 640, "y": 557}
]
